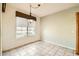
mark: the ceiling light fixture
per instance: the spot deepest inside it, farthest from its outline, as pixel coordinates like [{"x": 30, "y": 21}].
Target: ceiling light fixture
[{"x": 33, "y": 6}]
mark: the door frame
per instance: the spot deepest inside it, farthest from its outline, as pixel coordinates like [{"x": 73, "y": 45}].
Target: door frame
[{"x": 77, "y": 33}]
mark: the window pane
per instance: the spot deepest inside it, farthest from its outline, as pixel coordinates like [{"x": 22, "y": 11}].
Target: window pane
[
  {"x": 31, "y": 27},
  {"x": 24, "y": 27},
  {"x": 21, "y": 27}
]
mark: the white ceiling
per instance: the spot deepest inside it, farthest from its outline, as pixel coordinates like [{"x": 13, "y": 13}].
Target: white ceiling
[{"x": 45, "y": 8}]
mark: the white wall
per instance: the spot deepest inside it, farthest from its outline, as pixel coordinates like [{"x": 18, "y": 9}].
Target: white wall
[
  {"x": 60, "y": 28},
  {"x": 9, "y": 30}
]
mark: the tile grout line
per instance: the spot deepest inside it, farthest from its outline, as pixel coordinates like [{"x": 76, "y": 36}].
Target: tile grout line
[{"x": 56, "y": 51}]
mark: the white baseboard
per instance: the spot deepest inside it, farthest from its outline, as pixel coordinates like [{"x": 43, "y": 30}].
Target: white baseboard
[{"x": 59, "y": 45}]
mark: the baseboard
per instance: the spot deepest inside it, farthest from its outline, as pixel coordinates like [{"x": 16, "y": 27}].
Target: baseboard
[
  {"x": 59, "y": 44},
  {"x": 37, "y": 41},
  {"x": 20, "y": 46}
]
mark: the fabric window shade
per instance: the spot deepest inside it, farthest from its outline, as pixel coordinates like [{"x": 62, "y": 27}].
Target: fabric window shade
[{"x": 20, "y": 14}]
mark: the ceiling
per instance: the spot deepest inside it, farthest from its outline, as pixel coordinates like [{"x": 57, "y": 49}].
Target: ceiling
[{"x": 45, "y": 8}]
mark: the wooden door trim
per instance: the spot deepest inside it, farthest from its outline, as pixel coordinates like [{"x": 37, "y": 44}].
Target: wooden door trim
[{"x": 77, "y": 33}]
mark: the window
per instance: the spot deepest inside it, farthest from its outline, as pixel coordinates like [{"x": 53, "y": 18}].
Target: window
[
  {"x": 31, "y": 28},
  {"x": 24, "y": 27}
]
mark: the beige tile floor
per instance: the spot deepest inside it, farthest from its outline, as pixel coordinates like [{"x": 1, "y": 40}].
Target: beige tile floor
[{"x": 40, "y": 48}]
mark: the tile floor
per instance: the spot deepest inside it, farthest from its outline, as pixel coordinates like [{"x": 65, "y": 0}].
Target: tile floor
[{"x": 40, "y": 48}]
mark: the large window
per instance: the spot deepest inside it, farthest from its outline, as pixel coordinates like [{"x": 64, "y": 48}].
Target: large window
[{"x": 24, "y": 27}]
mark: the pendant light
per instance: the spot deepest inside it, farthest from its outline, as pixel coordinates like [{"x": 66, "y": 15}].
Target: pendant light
[{"x": 31, "y": 6}]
